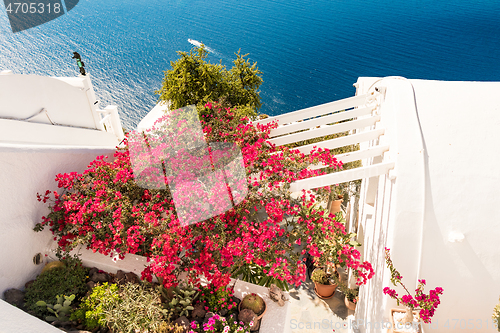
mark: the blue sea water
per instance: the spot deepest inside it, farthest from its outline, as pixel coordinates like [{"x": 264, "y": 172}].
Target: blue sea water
[{"x": 310, "y": 52}]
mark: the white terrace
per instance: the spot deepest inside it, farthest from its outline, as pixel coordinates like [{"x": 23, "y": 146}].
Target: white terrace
[{"x": 429, "y": 191}]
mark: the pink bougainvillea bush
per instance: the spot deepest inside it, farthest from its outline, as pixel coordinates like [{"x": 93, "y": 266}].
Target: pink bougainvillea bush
[
  {"x": 104, "y": 209},
  {"x": 427, "y": 303}
]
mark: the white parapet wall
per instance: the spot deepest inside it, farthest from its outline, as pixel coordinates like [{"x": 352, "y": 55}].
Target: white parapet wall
[
  {"x": 14, "y": 320},
  {"x": 67, "y": 101},
  {"x": 26, "y": 171}
]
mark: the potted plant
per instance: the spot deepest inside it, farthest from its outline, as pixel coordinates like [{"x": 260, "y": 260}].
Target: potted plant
[
  {"x": 351, "y": 299},
  {"x": 255, "y": 303},
  {"x": 325, "y": 281},
  {"x": 351, "y": 296},
  {"x": 336, "y": 200},
  {"x": 427, "y": 303}
]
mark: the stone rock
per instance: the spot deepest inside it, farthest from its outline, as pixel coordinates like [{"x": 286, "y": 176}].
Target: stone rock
[
  {"x": 198, "y": 312},
  {"x": 14, "y": 297},
  {"x": 91, "y": 285},
  {"x": 131, "y": 278},
  {"x": 120, "y": 277},
  {"x": 183, "y": 322},
  {"x": 99, "y": 277},
  {"x": 208, "y": 315},
  {"x": 223, "y": 312},
  {"x": 64, "y": 324},
  {"x": 29, "y": 283},
  {"x": 93, "y": 270},
  {"x": 246, "y": 316},
  {"x": 276, "y": 294}
]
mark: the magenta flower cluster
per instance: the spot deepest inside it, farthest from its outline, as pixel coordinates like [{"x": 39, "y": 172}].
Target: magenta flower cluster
[
  {"x": 104, "y": 209},
  {"x": 426, "y": 303}
]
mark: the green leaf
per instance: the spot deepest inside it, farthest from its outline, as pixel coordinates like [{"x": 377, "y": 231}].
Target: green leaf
[
  {"x": 263, "y": 281},
  {"x": 57, "y": 306},
  {"x": 354, "y": 243},
  {"x": 66, "y": 309},
  {"x": 41, "y": 303},
  {"x": 50, "y": 318},
  {"x": 63, "y": 318}
]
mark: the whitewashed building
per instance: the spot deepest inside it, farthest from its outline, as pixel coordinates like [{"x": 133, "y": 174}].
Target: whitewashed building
[{"x": 429, "y": 193}]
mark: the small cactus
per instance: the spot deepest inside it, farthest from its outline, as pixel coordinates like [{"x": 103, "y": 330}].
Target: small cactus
[
  {"x": 253, "y": 302},
  {"x": 61, "y": 309}
]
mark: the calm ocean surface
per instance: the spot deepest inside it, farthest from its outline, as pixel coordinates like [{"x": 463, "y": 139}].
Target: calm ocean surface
[{"x": 310, "y": 52}]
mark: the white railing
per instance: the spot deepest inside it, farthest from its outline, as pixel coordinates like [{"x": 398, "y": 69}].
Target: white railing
[
  {"x": 357, "y": 115},
  {"x": 110, "y": 121}
]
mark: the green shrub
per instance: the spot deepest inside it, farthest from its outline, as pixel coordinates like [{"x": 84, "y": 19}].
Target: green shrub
[
  {"x": 194, "y": 81},
  {"x": 93, "y": 309},
  {"x": 139, "y": 310},
  {"x": 67, "y": 280}
]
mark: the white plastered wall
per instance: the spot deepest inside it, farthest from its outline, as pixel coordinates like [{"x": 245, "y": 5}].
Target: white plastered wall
[
  {"x": 67, "y": 101},
  {"x": 24, "y": 171},
  {"x": 32, "y": 152},
  {"x": 447, "y": 176}
]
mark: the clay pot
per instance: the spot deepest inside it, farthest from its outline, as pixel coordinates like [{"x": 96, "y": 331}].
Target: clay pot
[
  {"x": 350, "y": 305},
  {"x": 324, "y": 291},
  {"x": 335, "y": 206}
]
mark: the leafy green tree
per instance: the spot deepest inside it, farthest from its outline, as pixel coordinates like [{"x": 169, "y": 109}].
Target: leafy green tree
[{"x": 193, "y": 80}]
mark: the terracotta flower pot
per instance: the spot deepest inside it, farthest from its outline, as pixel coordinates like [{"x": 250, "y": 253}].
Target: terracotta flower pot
[
  {"x": 335, "y": 206},
  {"x": 324, "y": 291},
  {"x": 350, "y": 305}
]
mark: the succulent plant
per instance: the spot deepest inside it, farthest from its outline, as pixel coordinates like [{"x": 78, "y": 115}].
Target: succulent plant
[
  {"x": 253, "y": 302},
  {"x": 182, "y": 301},
  {"x": 61, "y": 309}
]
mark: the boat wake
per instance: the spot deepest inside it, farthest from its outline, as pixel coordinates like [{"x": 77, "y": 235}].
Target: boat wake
[{"x": 200, "y": 44}]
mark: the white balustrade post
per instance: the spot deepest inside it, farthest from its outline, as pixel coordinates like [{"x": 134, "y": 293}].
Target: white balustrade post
[{"x": 115, "y": 121}]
